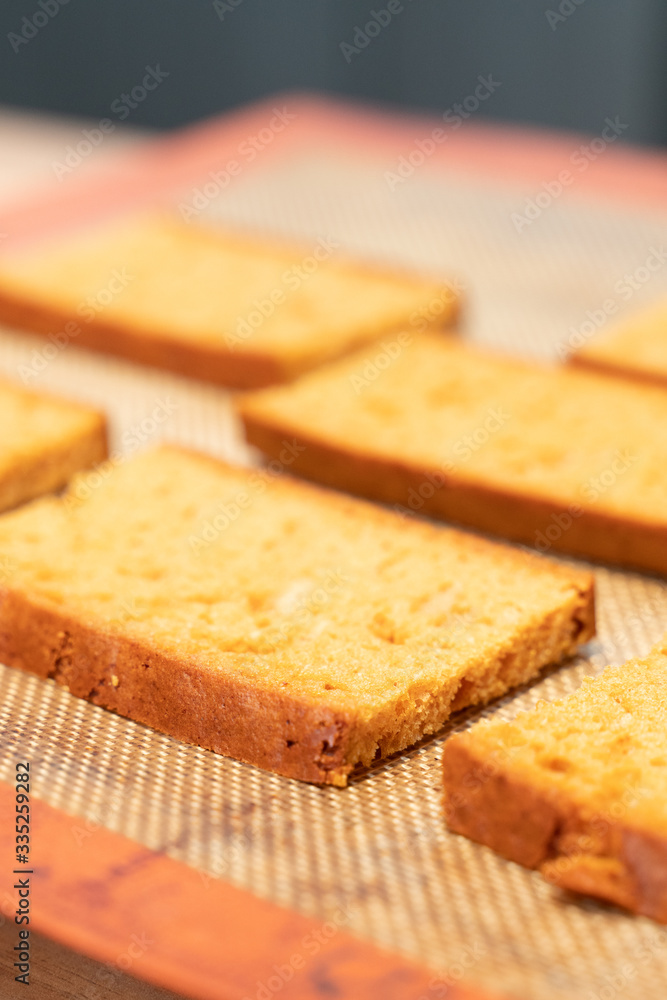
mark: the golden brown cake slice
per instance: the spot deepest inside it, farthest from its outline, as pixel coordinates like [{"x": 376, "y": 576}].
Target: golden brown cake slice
[
  {"x": 231, "y": 310},
  {"x": 295, "y": 629},
  {"x": 575, "y": 788},
  {"x": 558, "y": 458},
  {"x": 44, "y": 440},
  {"x": 635, "y": 348}
]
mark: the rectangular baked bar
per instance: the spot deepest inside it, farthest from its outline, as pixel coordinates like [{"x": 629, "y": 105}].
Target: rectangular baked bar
[
  {"x": 289, "y": 627},
  {"x": 575, "y": 788},
  {"x": 237, "y": 311},
  {"x": 635, "y": 347},
  {"x": 558, "y": 458},
  {"x": 44, "y": 440}
]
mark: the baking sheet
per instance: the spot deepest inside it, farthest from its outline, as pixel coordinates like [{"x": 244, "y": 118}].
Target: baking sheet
[{"x": 376, "y": 856}]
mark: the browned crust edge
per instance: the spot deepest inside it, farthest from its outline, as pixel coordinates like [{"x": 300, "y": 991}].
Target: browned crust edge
[
  {"x": 626, "y": 371},
  {"x": 573, "y": 848},
  {"x": 517, "y": 516},
  {"x": 176, "y": 696},
  {"x": 184, "y": 699},
  {"x": 51, "y": 469},
  {"x": 235, "y": 369}
]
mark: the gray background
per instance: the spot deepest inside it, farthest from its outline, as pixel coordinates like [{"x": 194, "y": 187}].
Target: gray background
[{"x": 605, "y": 59}]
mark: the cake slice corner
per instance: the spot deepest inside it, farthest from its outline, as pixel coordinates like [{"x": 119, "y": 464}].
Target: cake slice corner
[{"x": 575, "y": 788}]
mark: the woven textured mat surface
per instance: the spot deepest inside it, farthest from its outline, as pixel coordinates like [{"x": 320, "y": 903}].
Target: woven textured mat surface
[{"x": 379, "y": 849}]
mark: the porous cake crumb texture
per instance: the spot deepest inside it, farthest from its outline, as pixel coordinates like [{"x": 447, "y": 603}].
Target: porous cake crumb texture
[
  {"x": 575, "y": 788},
  {"x": 558, "y": 458},
  {"x": 232, "y": 310},
  {"x": 296, "y": 629}
]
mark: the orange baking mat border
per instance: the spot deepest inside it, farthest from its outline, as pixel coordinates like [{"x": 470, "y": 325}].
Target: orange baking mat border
[
  {"x": 137, "y": 910},
  {"x": 524, "y": 157}
]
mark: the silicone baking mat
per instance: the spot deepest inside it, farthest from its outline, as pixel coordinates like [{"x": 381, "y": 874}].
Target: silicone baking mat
[{"x": 375, "y": 856}]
